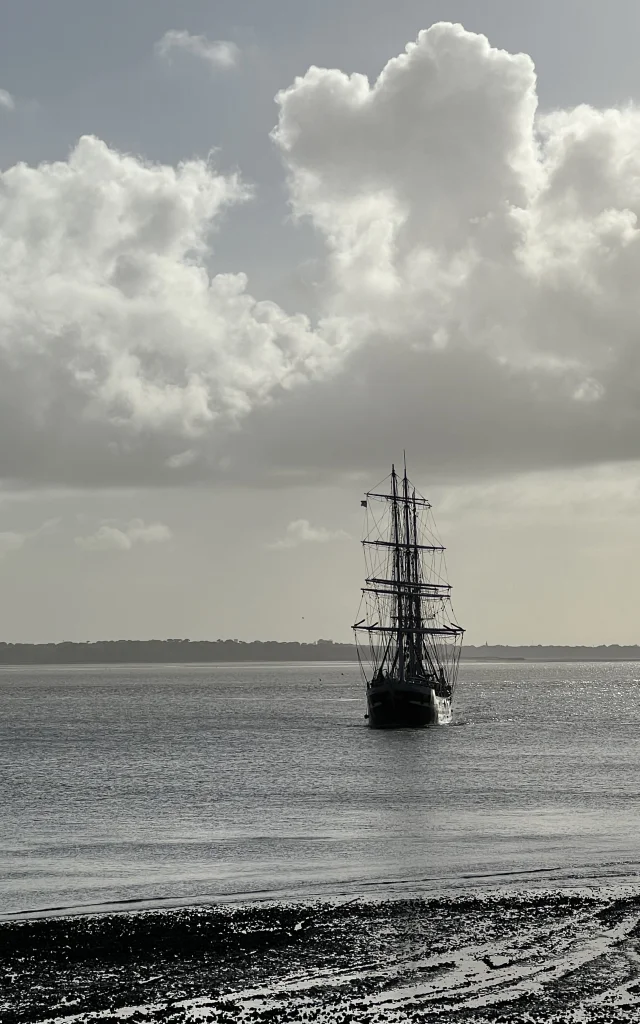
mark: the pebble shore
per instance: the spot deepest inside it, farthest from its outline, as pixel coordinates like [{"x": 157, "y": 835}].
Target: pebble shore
[{"x": 519, "y": 957}]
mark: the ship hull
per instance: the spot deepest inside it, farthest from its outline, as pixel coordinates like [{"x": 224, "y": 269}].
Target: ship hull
[{"x": 400, "y": 706}]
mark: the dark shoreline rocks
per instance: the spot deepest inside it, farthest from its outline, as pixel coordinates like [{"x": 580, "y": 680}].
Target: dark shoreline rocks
[{"x": 519, "y": 957}]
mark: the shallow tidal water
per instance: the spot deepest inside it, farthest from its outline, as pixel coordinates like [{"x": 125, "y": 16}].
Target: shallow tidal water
[{"x": 169, "y": 784}]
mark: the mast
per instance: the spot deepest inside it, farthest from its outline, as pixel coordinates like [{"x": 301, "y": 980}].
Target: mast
[
  {"x": 409, "y": 621},
  {"x": 397, "y": 576},
  {"x": 409, "y": 576},
  {"x": 416, "y": 575}
]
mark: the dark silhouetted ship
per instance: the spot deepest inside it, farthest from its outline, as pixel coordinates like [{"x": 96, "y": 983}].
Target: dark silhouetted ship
[{"x": 408, "y": 642}]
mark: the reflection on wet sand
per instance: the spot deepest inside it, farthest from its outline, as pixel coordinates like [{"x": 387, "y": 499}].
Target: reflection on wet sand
[{"x": 546, "y": 956}]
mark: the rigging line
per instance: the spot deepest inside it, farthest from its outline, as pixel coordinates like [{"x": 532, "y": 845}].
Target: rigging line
[
  {"x": 383, "y": 481},
  {"x": 375, "y": 523}
]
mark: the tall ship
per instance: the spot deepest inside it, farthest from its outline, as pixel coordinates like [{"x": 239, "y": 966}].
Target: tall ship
[{"x": 408, "y": 640}]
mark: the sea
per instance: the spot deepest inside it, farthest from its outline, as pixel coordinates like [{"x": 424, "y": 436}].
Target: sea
[{"x": 164, "y": 785}]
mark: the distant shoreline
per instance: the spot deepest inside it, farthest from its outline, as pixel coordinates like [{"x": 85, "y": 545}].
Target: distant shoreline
[{"x": 105, "y": 652}]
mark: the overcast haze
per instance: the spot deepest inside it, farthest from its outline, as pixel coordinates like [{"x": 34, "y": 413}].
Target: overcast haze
[{"x": 249, "y": 252}]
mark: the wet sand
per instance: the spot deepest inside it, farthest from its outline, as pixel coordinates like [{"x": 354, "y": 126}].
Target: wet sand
[{"x": 537, "y": 956}]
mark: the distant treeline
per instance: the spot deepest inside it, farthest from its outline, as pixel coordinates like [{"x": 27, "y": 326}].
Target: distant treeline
[
  {"x": 540, "y": 652},
  {"x": 183, "y": 651},
  {"x": 157, "y": 651}
]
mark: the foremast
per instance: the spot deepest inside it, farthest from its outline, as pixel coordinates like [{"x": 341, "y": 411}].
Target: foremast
[{"x": 409, "y": 627}]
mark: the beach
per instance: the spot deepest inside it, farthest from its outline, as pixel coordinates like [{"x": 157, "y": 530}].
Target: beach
[{"x": 571, "y": 955}]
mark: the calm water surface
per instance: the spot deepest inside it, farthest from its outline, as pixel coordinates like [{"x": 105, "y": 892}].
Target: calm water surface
[{"x": 175, "y": 782}]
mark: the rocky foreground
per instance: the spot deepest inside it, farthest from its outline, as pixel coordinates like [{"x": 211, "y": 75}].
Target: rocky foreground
[{"x": 529, "y": 957}]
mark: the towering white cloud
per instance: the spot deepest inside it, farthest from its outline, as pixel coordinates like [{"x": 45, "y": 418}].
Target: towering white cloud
[
  {"x": 417, "y": 161},
  {"x": 484, "y": 256}
]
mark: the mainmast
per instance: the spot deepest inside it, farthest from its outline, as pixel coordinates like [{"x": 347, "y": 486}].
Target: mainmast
[
  {"x": 397, "y": 573},
  {"x": 412, "y": 598}
]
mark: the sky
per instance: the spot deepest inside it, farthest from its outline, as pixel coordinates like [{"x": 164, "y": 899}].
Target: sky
[{"x": 251, "y": 252}]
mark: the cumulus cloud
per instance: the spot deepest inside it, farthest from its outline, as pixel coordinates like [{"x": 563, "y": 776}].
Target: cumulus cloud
[
  {"x": 119, "y": 351},
  {"x": 109, "y": 537},
  {"x": 300, "y": 531},
  {"x": 6, "y": 100},
  {"x": 476, "y": 302},
  {"x": 218, "y": 53},
  {"x": 483, "y": 257}
]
